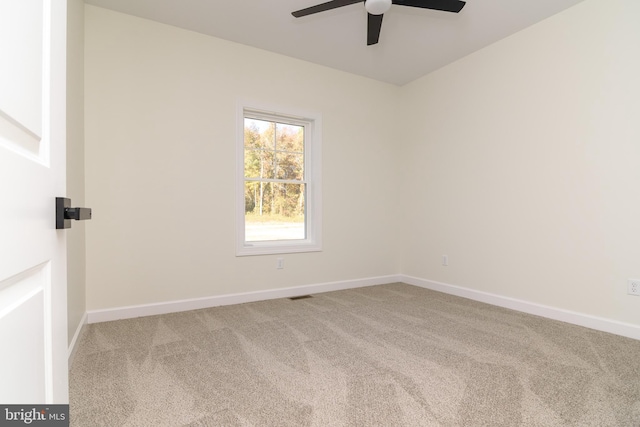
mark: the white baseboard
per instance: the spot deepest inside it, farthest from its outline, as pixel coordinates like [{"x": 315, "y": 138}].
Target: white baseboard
[
  {"x": 593, "y": 322},
  {"x": 580, "y": 319},
  {"x": 129, "y": 312},
  {"x": 76, "y": 337}
]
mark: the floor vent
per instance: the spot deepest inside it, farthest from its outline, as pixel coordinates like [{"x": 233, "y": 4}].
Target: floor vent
[{"x": 300, "y": 297}]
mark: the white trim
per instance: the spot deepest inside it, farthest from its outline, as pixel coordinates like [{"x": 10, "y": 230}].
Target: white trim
[
  {"x": 312, "y": 121},
  {"x": 588, "y": 321},
  {"x": 129, "y": 312},
  {"x": 73, "y": 346},
  {"x": 593, "y": 322}
]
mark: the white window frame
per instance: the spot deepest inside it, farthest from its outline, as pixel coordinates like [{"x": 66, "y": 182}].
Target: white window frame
[{"x": 312, "y": 123}]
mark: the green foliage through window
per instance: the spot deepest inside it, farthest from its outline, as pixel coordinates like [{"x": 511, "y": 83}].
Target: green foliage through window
[{"x": 275, "y": 186}]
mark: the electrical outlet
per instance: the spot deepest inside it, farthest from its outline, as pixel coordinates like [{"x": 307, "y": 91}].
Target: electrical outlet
[
  {"x": 445, "y": 260},
  {"x": 633, "y": 287},
  {"x": 280, "y": 264}
]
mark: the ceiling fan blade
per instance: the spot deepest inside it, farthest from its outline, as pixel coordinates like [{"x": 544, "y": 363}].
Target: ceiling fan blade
[
  {"x": 444, "y": 5},
  {"x": 374, "y": 24},
  {"x": 324, "y": 6}
]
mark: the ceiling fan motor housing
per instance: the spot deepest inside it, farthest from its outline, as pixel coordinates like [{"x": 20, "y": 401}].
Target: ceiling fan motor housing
[{"x": 377, "y": 7}]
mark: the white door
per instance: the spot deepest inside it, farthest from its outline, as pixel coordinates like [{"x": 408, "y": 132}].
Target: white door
[{"x": 33, "y": 331}]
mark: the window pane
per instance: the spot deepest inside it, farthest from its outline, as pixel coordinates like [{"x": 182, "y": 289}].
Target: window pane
[
  {"x": 290, "y": 138},
  {"x": 259, "y": 164},
  {"x": 274, "y": 211},
  {"x": 256, "y": 133},
  {"x": 276, "y": 154},
  {"x": 290, "y": 166},
  {"x": 252, "y": 197},
  {"x": 252, "y": 159}
]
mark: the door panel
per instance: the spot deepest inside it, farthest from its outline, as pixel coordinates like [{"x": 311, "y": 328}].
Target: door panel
[
  {"x": 22, "y": 302},
  {"x": 22, "y": 47},
  {"x": 33, "y": 357}
]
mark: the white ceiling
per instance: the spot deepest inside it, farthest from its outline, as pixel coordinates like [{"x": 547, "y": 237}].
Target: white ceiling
[{"x": 413, "y": 41}]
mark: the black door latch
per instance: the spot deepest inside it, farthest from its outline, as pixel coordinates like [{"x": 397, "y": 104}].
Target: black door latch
[{"x": 65, "y": 213}]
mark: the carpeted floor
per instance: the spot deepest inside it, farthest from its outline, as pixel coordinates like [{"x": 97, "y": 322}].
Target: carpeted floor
[{"x": 390, "y": 355}]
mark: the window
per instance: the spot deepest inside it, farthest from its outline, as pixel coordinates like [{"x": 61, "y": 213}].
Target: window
[{"x": 278, "y": 182}]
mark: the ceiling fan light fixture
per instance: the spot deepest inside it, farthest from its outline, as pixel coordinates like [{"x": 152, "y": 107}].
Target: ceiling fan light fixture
[{"x": 377, "y": 7}]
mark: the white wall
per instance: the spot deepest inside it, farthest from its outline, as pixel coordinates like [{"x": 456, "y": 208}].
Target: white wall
[
  {"x": 522, "y": 164},
  {"x": 76, "y": 271},
  {"x": 160, "y": 164}
]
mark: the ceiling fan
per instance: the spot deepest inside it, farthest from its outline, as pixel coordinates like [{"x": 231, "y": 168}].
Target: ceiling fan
[{"x": 376, "y": 9}]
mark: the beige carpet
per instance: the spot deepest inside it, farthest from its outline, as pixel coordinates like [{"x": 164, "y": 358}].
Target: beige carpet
[{"x": 390, "y": 355}]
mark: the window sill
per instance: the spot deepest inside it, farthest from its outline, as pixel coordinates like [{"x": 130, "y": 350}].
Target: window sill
[{"x": 274, "y": 248}]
